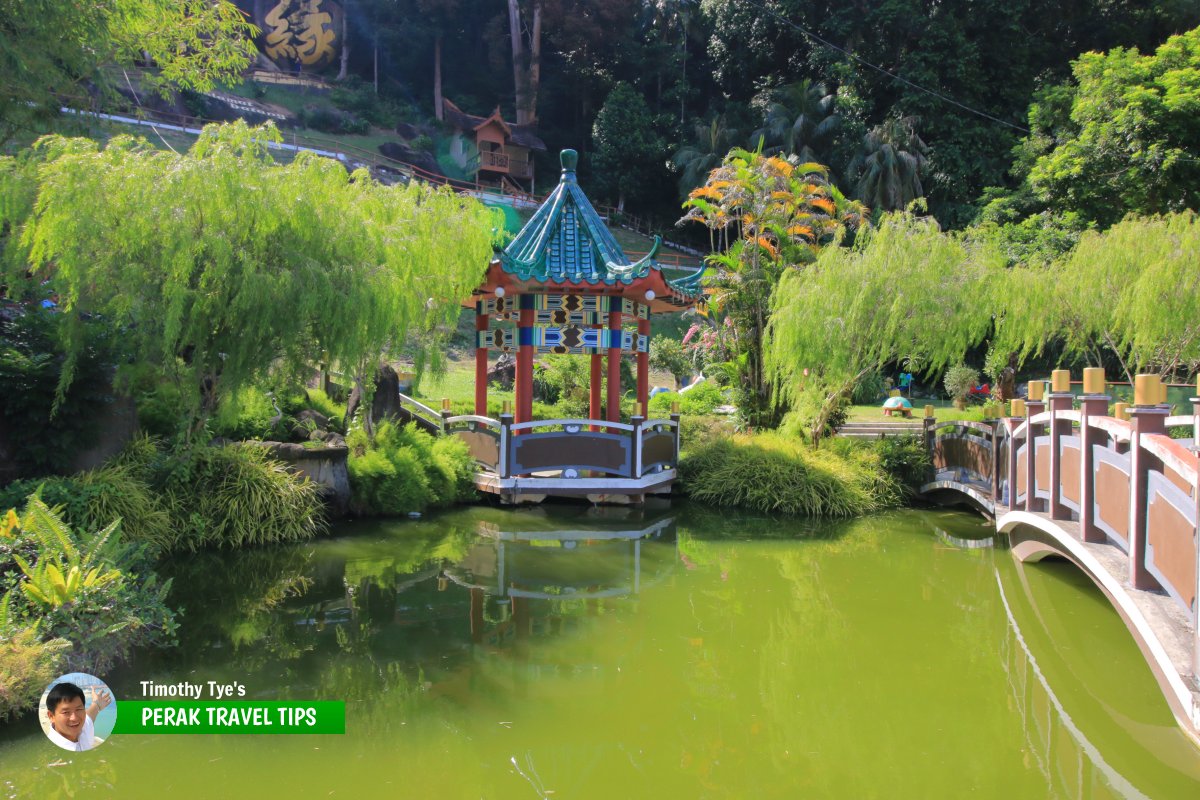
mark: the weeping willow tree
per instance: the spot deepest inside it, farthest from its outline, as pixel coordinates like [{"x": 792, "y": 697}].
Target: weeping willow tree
[
  {"x": 223, "y": 267},
  {"x": 906, "y": 291},
  {"x": 1130, "y": 294}
]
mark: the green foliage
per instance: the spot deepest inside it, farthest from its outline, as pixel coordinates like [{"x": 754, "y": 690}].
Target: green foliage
[
  {"x": 771, "y": 216},
  {"x": 960, "y": 380},
  {"x": 627, "y": 153},
  {"x": 403, "y": 469},
  {"x": 887, "y": 169},
  {"x": 247, "y": 413},
  {"x": 710, "y": 141},
  {"x": 780, "y": 475},
  {"x": 55, "y": 51},
  {"x": 31, "y": 364},
  {"x": 906, "y": 459},
  {"x": 1129, "y": 138},
  {"x": 225, "y": 269},
  {"x": 869, "y": 389},
  {"x": 667, "y": 355},
  {"x": 317, "y": 400},
  {"x": 564, "y": 381},
  {"x": 27, "y": 666},
  {"x": 83, "y": 588},
  {"x": 237, "y": 496},
  {"x": 1130, "y": 293},
  {"x": 905, "y": 293},
  {"x": 700, "y": 400}
]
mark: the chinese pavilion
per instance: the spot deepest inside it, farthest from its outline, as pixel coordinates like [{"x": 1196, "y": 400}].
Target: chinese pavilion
[{"x": 564, "y": 285}]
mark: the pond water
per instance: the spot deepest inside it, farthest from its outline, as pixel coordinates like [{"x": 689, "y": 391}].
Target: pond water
[{"x": 678, "y": 652}]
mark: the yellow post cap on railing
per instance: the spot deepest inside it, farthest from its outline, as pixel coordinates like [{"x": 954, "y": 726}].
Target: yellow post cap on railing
[
  {"x": 506, "y": 407},
  {"x": 929, "y": 412},
  {"x": 445, "y": 404},
  {"x": 1016, "y": 407},
  {"x": 1093, "y": 380},
  {"x": 675, "y": 407},
  {"x": 1036, "y": 390},
  {"x": 1121, "y": 410},
  {"x": 1145, "y": 389},
  {"x": 1162, "y": 391},
  {"x": 1060, "y": 381},
  {"x": 1198, "y": 385}
]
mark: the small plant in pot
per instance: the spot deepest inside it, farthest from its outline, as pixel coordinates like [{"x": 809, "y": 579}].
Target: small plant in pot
[{"x": 959, "y": 382}]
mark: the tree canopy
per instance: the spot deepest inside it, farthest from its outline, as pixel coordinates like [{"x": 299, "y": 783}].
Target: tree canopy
[
  {"x": 905, "y": 292},
  {"x": 54, "y": 52},
  {"x": 221, "y": 266},
  {"x": 1131, "y": 293}
]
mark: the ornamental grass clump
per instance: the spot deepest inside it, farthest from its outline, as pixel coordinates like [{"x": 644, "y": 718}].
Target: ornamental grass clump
[{"x": 779, "y": 475}]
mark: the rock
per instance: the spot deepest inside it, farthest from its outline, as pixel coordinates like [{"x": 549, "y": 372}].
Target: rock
[
  {"x": 319, "y": 420},
  {"x": 386, "y": 402},
  {"x": 398, "y": 151}
]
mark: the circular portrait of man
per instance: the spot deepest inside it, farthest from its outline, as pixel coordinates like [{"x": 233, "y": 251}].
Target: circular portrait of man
[{"x": 77, "y": 711}]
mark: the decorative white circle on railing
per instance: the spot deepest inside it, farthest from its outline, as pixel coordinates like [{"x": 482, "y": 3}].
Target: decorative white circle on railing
[
  {"x": 572, "y": 429},
  {"x": 570, "y": 473}
]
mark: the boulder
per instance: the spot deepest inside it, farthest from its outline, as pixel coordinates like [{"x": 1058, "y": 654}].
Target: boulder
[{"x": 399, "y": 151}]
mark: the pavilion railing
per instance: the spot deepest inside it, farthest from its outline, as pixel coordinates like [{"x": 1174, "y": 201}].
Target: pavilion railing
[
  {"x": 569, "y": 448},
  {"x": 1124, "y": 479}
]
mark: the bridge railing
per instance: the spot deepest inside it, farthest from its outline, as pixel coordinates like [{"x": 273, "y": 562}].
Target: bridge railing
[
  {"x": 569, "y": 447},
  {"x": 1118, "y": 473}
]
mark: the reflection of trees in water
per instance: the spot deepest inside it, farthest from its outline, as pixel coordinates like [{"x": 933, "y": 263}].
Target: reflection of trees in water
[{"x": 235, "y": 600}]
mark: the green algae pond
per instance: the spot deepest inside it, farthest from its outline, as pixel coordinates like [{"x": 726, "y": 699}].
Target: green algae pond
[{"x": 675, "y": 652}]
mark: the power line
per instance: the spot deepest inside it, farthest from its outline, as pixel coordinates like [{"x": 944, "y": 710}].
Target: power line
[{"x": 817, "y": 38}]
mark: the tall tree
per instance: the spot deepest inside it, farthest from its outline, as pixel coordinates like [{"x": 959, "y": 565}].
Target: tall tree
[
  {"x": 799, "y": 118},
  {"x": 887, "y": 170},
  {"x": 705, "y": 152},
  {"x": 627, "y": 150},
  {"x": 52, "y": 51},
  {"x": 905, "y": 291},
  {"x": 221, "y": 266},
  {"x": 768, "y": 216}
]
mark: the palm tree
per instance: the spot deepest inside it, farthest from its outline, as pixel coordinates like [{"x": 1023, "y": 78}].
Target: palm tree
[
  {"x": 798, "y": 119},
  {"x": 712, "y": 140},
  {"x": 887, "y": 169}
]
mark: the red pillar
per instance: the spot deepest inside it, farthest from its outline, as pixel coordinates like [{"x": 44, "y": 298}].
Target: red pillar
[
  {"x": 643, "y": 368},
  {"x": 595, "y": 409},
  {"x": 524, "y": 382},
  {"x": 481, "y": 363},
  {"x": 614, "y": 367}
]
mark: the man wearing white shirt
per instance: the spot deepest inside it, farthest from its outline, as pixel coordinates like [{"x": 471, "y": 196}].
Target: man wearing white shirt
[{"x": 71, "y": 727}]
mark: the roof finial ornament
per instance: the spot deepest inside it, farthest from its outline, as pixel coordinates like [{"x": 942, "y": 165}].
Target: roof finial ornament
[{"x": 569, "y": 159}]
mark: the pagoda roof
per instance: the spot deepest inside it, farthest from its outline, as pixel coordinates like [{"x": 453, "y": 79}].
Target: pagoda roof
[{"x": 567, "y": 243}]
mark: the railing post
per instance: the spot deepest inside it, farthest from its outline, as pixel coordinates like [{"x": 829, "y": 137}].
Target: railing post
[
  {"x": 1094, "y": 403},
  {"x": 675, "y": 419},
  {"x": 445, "y": 413},
  {"x": 506, "y": 421},
  {"x": 927, "y": 426},
  {"x": 1034, "y": 406},
  {"x": 996, "y": 424},
  {"x": 1061, "y": 399},
  {"x": 1148, "y": 418},
  {"x": 1016, "y": 412},
  {"x": 636, "y": 420}
]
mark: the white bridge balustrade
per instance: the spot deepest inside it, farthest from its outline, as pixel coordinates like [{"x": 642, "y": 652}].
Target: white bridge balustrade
[
  {"x": 1118, "y": 495},
  {"x": 525, "y": 462}
]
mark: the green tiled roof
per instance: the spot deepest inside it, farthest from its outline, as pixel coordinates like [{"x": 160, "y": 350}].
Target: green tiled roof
[{"x": 566, "y": 241}]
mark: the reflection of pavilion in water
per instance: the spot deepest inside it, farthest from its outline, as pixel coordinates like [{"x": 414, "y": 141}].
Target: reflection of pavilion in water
[{"x": 580, "y": 569}]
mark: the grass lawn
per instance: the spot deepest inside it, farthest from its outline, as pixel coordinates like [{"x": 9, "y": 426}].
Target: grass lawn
[{"x": 943, "y": 410}]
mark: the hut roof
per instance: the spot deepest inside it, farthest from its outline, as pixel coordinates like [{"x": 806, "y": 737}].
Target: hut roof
[{"x": 520, "y": 135}]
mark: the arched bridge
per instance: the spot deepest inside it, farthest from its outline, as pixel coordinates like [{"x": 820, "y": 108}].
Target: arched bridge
[{"x": 1118, "y": 498}]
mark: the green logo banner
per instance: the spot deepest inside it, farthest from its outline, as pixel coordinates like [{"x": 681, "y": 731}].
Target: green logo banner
[{"x": 231, "y": 716}]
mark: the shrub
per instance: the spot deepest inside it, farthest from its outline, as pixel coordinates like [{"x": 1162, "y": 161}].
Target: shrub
[
  {"x": 27, "y": 665},
  {"x": 405, "y": 469},
  {"x": 906, "y": 459},
  {"x": 317, "y": 400},
  {"x": 87, "y": 589},
  {"x": 248, "y": 413},
  {"x": 774, "y": 474},
  {"x": 700, "y": 400},
  {"x": 868, "y": 390},
  {"x": 238, "y": 496},
  {"x": 667, "y": 354},
  {"x": 959, "y": 382}
]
